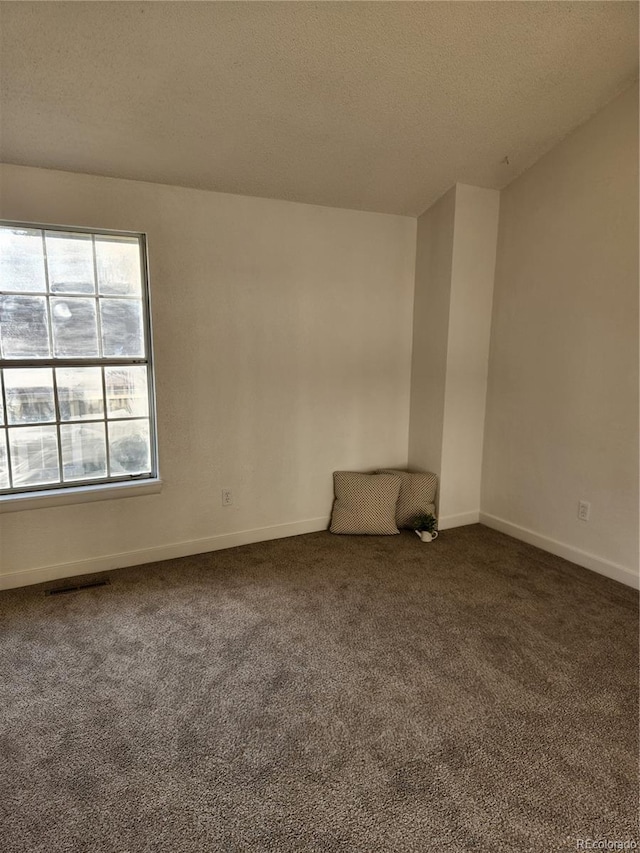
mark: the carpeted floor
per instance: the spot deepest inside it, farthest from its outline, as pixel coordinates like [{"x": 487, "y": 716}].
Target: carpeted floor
[{"x": 323, "y": 693}]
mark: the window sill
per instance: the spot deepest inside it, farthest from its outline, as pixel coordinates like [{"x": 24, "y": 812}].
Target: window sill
[{"x": 80, "y": 495}]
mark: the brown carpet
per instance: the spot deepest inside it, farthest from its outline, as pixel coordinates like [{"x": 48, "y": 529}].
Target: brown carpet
[{"x": 323, "y": 693}]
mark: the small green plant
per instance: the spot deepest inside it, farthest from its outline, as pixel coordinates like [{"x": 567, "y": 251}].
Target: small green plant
[{"x": 425, "y": 521}]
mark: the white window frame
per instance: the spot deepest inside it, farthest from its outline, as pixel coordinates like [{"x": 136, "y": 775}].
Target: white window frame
[{"x": 127, "y": 485}]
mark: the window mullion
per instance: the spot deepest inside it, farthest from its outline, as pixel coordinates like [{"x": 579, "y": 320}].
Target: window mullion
[{"x": 71, "y": 362}]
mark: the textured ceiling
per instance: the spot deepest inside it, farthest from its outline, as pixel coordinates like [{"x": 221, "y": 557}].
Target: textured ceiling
[{"x": 374, "y": 106}]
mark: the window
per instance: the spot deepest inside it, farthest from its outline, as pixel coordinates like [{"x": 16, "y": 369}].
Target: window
[{"x": 76, "y": 381}]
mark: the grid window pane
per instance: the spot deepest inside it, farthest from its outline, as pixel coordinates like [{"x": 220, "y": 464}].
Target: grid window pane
[
  {"x": 29, "y": 394},
  {"x": 34, "y": 455},
  {"x": 127, "y": 394},
  {"x": 24, "y": 330},
  {"x": 75, "y": 333},
  {"x": 122, "y": 335},
  {"x": 4, "y": 464},
  {"x": 75, "y": 376},
  {"x": 22, "y": 261},
  {"x": 84, "y": 452},
  {"x": 118, "y": 266},
  {"x": 129, "y": 447},
  {"x": 80, "y": 393},
  {"x": 70, "y": 261}
]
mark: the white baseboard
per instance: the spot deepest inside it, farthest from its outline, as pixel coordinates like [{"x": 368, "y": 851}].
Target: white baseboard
[
  {"x": 161, "y": 552},
  {"x": 560, "y": 549},
  {"x": 446, "y": 522},
  {"x": 60, "y": 571}
]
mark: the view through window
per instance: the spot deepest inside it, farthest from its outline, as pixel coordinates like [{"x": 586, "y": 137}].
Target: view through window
[{"x": 76, "y": 401}]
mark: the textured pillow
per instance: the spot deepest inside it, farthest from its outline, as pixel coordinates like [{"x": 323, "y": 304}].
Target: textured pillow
[
  {"x": 417, "y": 495},
  {"x": 365, "y": 503}
]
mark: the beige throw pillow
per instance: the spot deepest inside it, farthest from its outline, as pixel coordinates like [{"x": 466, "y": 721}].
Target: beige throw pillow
[
  {"x": 417, "y": 495},
  {"x": 365, "y": 503}
]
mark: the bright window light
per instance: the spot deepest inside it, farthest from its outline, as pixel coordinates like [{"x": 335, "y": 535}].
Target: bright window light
[{"x": 76, "y": 378}]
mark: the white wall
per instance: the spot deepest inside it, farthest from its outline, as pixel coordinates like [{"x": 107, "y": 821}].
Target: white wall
[
  {"x": 434, "y": 258},
  {"x": 455, "y": 265},
  {"x": 283, "y": 351},
  {"x": 472, "y": 275},
  {"x": 283, "y": 345},
  {"x": 562, "y": 405}
]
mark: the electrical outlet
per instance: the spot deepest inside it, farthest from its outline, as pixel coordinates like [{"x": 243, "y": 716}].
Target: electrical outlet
[
  {"x": 227, "y": 497},
  {"x": 584, "y": 510}
]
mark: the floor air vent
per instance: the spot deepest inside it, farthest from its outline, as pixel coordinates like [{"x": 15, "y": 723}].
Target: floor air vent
[{"x": 62, "y": 590}]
